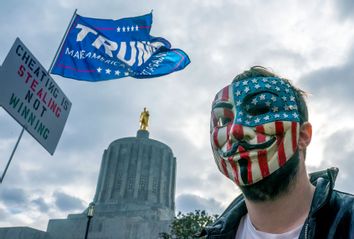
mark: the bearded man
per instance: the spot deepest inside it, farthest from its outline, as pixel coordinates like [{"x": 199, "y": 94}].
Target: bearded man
[{"x": 259, "y": 135}]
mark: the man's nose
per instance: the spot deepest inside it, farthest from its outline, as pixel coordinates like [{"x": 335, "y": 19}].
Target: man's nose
[{"x": 239, "y": 132}]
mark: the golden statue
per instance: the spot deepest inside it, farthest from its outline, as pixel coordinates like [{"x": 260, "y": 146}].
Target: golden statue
[{"x": 144, "y": 119}]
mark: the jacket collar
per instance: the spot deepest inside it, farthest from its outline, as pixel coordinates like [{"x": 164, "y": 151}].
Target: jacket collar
[
  {"x": 226, "y": 224},
  {"x": 324, "y": 182}
]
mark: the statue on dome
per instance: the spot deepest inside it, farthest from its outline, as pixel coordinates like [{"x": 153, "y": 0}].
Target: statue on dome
[{"x": 144, "y": 119}]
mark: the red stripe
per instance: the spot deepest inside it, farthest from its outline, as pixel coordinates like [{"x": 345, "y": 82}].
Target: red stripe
[
  {"x": 234, "y": 169},
  {"x": 225, "y": 94},
  {"x": 215, "y": 137},
  {"x": 260, "y": 134},
  {"x": 182, "y": 59},
  {"x": 232, "y": 163},
  {"x": 294, "y": 135},
  {"x": 224, "y": 168},
  {"x": 245, "y": 155},
  {"x": 263, "y": 164},
  {"x": 262, "y": 155},
  {"x": 279, "y": 130},
  {"x": 228, "y": 114},
  {"x": 237, "y": 131},
  {"x": 223, "y": 163},
  {"x": 74, "y": 69}
]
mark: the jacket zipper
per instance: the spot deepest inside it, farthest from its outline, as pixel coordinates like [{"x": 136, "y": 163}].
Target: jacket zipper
[{"x": 306, "y": 230}]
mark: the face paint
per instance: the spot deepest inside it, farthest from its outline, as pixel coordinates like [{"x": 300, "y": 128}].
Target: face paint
[{"x": 254, "y": 128}]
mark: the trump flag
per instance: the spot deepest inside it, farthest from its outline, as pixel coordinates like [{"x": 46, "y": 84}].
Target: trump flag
[{"x": 101, "y": 49}]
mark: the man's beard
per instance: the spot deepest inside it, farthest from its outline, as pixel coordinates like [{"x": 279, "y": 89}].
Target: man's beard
[{"x": 276, "y": 184}]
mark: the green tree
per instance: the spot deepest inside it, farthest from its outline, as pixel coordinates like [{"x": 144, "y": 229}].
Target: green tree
[{"x": 187, "y": 226}]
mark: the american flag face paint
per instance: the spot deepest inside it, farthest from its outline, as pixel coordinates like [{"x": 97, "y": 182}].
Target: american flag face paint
[{"x": 254, "y": 128}]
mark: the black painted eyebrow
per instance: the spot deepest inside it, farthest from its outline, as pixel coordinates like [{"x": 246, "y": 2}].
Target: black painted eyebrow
[{"x": 222, "y": 104}]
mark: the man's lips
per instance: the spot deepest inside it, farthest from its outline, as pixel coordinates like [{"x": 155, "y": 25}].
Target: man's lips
[{"x": 248, "y": 146}]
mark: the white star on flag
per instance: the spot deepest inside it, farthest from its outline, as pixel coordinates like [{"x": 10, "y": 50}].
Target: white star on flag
[
  {"x": 117, "y": 72},
  {"x": 108, "y": 71},
  {"x": 99, "y": 69},
  {"x": 254, "y": 101},
  {"x": 118, "y": 29},
  {"x": 136, "y": 28}
]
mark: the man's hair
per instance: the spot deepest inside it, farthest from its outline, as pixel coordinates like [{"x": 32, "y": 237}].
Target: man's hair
[{"x": 260, "y": 71}]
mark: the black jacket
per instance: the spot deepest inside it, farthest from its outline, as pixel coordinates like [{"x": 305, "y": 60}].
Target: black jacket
[{"x": 331, "y": 215}]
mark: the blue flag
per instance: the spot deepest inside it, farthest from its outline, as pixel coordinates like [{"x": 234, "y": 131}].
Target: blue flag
[{"x": 100, "y": 49}]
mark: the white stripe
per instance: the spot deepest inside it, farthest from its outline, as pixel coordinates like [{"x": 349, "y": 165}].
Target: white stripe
[
  {"x": 256, "y": 171},
  {"x": 288, "y": 143},
  {"x": 222, "y": 136}
]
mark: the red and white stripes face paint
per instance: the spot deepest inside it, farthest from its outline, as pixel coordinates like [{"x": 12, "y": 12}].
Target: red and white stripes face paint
[{"x": 254, "y": 130}]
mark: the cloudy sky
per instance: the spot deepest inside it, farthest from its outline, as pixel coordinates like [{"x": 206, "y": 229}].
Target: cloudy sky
[{"x": 310, "y": 42}]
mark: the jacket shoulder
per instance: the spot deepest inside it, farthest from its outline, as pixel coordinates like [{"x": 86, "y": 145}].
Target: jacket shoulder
[{"x": 226, "y": 225}]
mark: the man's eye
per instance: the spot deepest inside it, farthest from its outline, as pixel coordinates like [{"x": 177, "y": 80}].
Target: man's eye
[
  {"x": 258, "y": 109},
  {"x": 260, "y": 103},
  {"x": 223, "y": 122}
]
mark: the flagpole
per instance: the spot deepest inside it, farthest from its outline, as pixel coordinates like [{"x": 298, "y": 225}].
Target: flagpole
[
  {"x": 12, "y": 154},
  {"x": 62, "y": 41}
]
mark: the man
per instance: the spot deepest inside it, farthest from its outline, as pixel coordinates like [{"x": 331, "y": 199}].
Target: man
[{"x": 259, "y": 135}]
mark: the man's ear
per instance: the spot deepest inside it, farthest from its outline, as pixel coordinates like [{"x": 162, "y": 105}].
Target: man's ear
[{"x": 305, "y": 135}]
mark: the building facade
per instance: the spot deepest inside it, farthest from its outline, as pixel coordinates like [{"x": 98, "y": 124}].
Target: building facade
[{"x": 134, "y": 195}]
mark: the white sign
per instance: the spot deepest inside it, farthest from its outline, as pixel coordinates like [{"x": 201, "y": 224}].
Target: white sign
[{"x": 31, "y": 96}]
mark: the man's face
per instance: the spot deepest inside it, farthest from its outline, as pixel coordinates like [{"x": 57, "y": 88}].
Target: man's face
[{"x": 254, "y": 128}]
